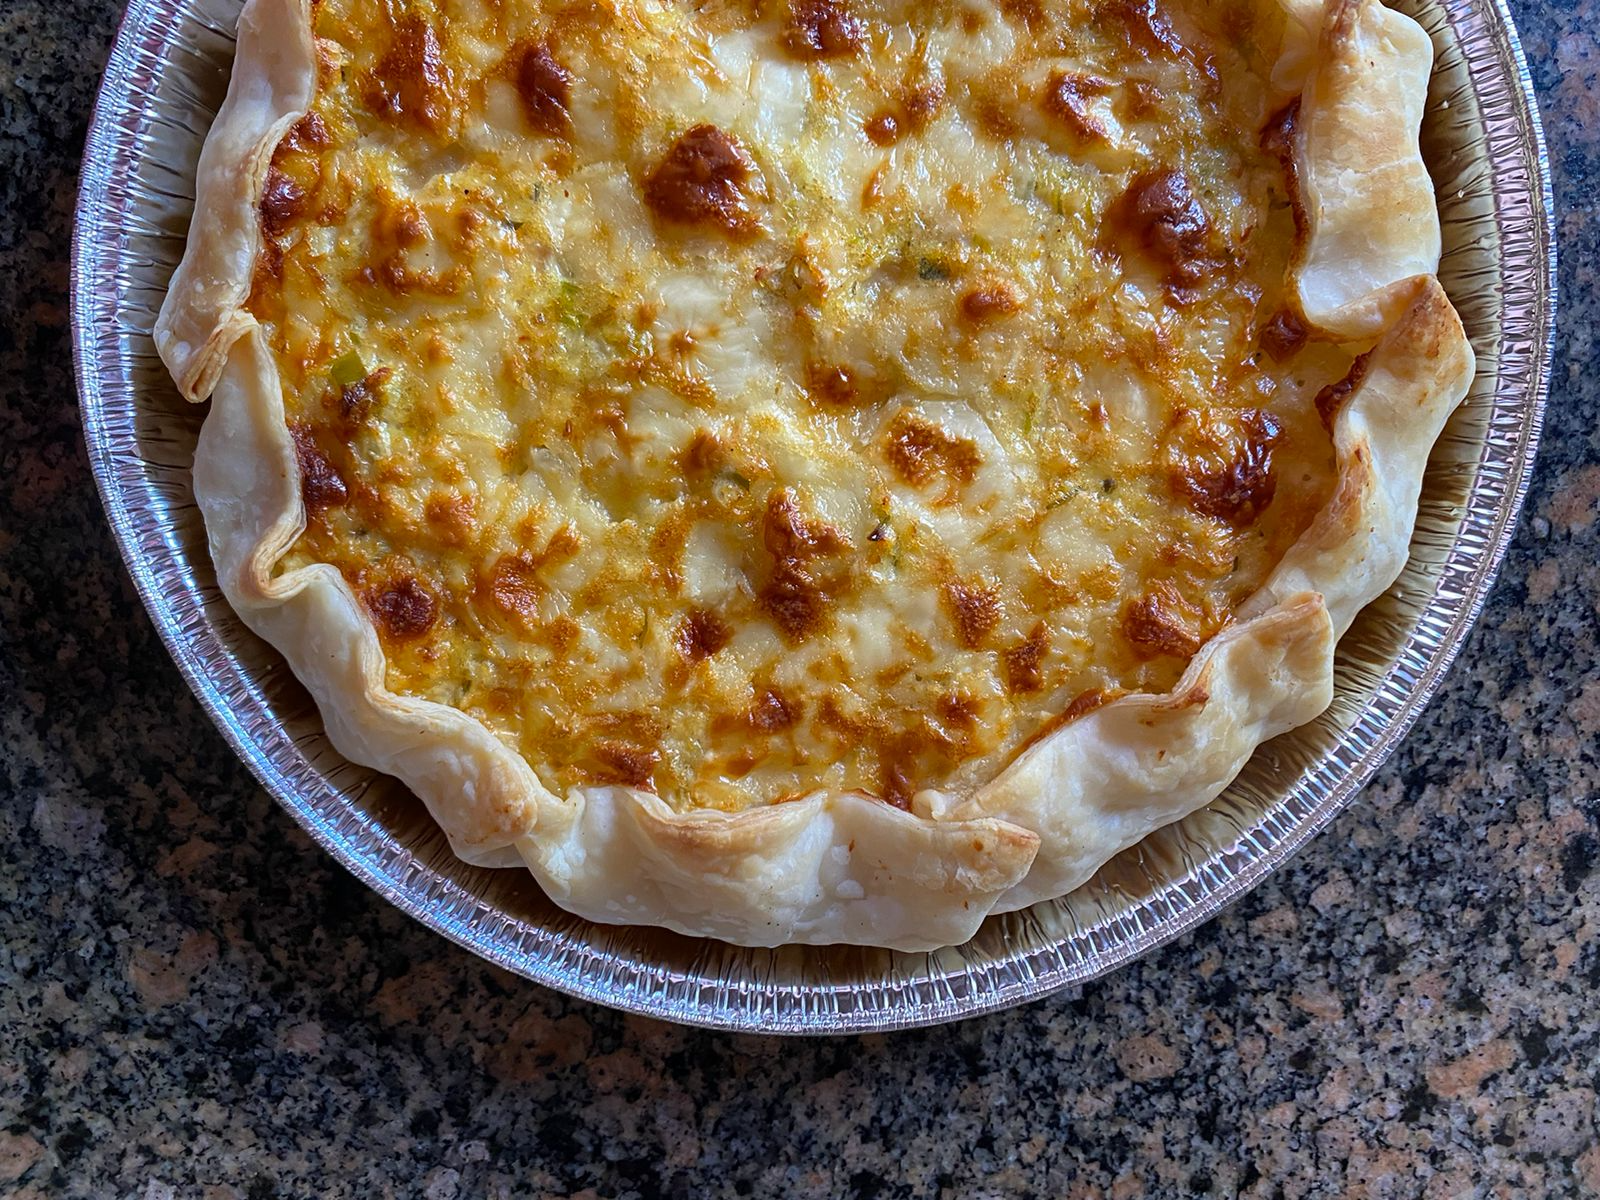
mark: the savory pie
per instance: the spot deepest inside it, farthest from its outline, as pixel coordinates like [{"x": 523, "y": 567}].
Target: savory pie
[{"x": 813, "y": 470}]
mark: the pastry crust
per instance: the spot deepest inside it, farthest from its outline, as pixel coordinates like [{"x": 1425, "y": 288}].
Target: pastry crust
[
  {"x": 842, "y": 867},
  {"x": 274, "y": 81}
]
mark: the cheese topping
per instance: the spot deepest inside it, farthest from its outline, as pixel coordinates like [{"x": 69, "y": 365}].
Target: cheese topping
[{"x": 740, "y": 398}]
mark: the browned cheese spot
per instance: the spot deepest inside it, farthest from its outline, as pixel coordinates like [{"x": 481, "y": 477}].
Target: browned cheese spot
[
  {"x": 395, "y": 230},
  {"x": 1146, "y": 27},
  {"x": 515, "y": 586},
  {"x": 403, "y": 608},
  {"x": 794, "y": 601},
  {"x": 320, "y": 484},
  {"x": 994, "y": 110},
  {"x": 975, "y": 609},
  {"x": 901, "y": 753},
  {"x": 1161, "y": 216},
  {"x": 310, "y": 131},
  {"x": 700, "y": 635},
  {"x": 833, "y": 715},
  {"x": 896, "y": 785},
  {"x": 796, "y": 596},
  {"x": 1028, "y": 13},
  {"x": 872, "y": 190},
  {"x": 627, "y": 764},
  {"x": 700, "y": 181},
  {"x": 1240, "y": 490},
  {"x": 1277, "y": 135},
  {"x": 1332, "y": 398},
  {"x": 561, "y": 635},
  {"x": 989, "y": 302},
  {"x": 668, "y": 544},
  {"x": 913, "y": 109},
  {"x": 1278, "y": 140},
  {"x": 919, "y": 450},
  {"x": 450, "y": 517},
  {"x": 1139, "y": 99},
  {"x": 356, "y": 400},
  {"x": 788, "y": 533},
  {"x": 822, "y": 29},
  {"x": 703, "y": 455},
  {"x": 1023, "y": 662},
  {"x": 771, "y": 712},
  {"x": 1283, "y": 336},
  {"x": 883, "y": 128},
  {"x": 1066, "y": 99},
  {"x": 959, "y": 714},
  {"x": 269, "y": 269},
  {"x": 546, "y": 90},
  {"x": 412, "y": 81},
  {"x": 922, "y": 102},
  {"x": 1161, "y": 622},
  {"x": 833, "y": 383},
  {"x": 293, "y": 176},
  {"x": 282, "y": 201}
]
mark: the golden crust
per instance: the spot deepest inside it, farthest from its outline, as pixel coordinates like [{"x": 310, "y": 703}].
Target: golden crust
[
  {"x": 1414, "y": 378},
  {"x": 1373, "y": 222},
  {"x": 829, "y": 868},
  {"x": 839, "y": 867},
  {"x": 1103, "y": 782},
  {"x": 274, "y": 79}
]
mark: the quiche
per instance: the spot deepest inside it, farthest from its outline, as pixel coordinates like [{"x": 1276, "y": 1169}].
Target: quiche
[{"x": 813, "y": 470}]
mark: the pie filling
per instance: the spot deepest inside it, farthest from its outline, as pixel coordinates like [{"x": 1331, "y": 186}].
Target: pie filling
[{"x": 743, "y": 398}]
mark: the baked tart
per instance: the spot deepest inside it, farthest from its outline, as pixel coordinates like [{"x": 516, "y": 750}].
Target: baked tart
[{"x": 813, "y": 470}]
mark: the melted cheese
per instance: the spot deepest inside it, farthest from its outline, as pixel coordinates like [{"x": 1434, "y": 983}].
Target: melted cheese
[{"x": 737, "y": 399}]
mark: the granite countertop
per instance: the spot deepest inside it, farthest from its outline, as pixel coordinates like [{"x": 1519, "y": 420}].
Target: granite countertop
[{"x": 196, "y": 1001}]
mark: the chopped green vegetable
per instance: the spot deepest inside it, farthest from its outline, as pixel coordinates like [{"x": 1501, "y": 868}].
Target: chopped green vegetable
[
  {"x": 932, "y": 268},
  {"x": 348, "y": 369},
  {"x": 567, "y": 301}
]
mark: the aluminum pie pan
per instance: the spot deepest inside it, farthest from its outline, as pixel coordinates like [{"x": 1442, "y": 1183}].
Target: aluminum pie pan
[{"x": 166, "y": 75}]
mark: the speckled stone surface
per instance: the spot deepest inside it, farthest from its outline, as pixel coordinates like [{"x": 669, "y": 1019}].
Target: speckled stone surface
[{"x": 195, "y": 1001}]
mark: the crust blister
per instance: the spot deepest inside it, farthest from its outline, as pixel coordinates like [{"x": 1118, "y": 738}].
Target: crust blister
[{"x": 840, "y": 867}]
